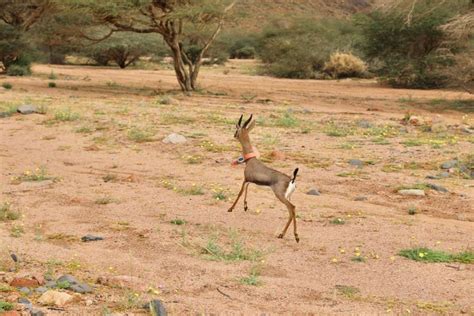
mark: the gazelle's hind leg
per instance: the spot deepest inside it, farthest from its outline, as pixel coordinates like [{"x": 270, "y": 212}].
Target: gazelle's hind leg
[
  {"x": 292, "y": 214},
  {"x": 245, "y": 196}
]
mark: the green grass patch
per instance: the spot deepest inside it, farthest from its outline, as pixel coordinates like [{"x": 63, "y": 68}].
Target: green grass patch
[
  {"x": 66, "y": 115},
  {"x": 7, "y": 85},
  {"x": 337, "y": 130},
  {"x": 7, "y": 214},
  {"x": 5, "y": 306},
  {"x": 139, "y": 135},
  {"x": 338, "y": 221},
  {"x": 178, "y": 222},
  {"x": 348, "y": 291},
  {"x": 39, "y": 174},
  {"x": 236, "y": 251},
  {"x": 253, "y": 277},
  {"x": 287, "y": 120},
  {"x": 429, "y": 255}
]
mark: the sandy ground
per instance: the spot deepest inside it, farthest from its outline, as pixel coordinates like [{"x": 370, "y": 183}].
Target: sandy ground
[{"x": 131, "y": 193}]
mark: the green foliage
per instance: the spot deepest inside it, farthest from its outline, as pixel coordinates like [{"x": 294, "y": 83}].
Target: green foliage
[
  {"x": 429, "y": 255},
  {"x": 7, "y": 85},
  {"x": 7, "y": 214},
  {"x": 51, "y": 84},
  {"x": 237, "y": 251},
  {"x": 404, "y": 45},
  {"x": 301, "y": 49},
  {"x": 126, "y": 48},
  {"x": 178, "y": 222},
  {"x": 5, "y": 306}
]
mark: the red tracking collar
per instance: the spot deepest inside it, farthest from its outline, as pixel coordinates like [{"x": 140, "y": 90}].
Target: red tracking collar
[{"x": 250, "y": 156}]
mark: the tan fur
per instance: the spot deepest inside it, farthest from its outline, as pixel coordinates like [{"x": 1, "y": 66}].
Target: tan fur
[{"x": 256, "y": 172}]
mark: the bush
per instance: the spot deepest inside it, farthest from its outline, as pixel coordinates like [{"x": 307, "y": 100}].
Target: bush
[
  {"x": 301, "y": 49},
  {"x": 18, "y": 70},
  {"x": 344, "y": 65},
  {"x": 7, "y": 85},
  {"x": 51, "y": 84},
  {"x": 404, "y": 42}
]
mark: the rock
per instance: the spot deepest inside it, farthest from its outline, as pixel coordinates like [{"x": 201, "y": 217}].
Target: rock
[
  {"x": 4, "y": 114},
  {"x": 14, "y": 257},
  {"x": 51, "y": 284},
  {"x": 80, "y": 288},
  {"x": 157, "y": 308},
  {"x": 67, "y": 278},
  {"x": 436, "y": 187},
  {"x": 360, "y": 198},
  {"x": 277, "y": 155},
  {"x": 467, "y": 130},
  {"x": 441, "y": 175},
  {"x": 449, "y": 164},
  {"x": 25, "y": 302},
  {"x": 39, "y": 278},
  {"x": 55, "y": 298},
  {"x": 42, "y": 289},
  {"x": 74, "y": 284},
  {"x": 356, "y": 162},
  {"x": 174, "y": 139},
  {"x": 364, "y": 124},
  {"x": 24, "y": 290},
  {"x": 27, "y": 109},
  {"x": 89, "y": 302},
  {"x": 313, "y": 192},
  {"x": 88, "y": 238},
  {"x": 24, "y": 282},
  {"x": 413, "y": 192},
  {"x": 36, "y": 312}
]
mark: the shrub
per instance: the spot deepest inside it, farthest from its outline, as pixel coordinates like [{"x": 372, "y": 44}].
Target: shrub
[
  {"x": 51, "y": 84},
  {"x": 18, "y": 70},
  {"x": 301, "y": 49},
  {"x": 404, "y": 43},
  {"x": 7, "y": 85},
  {"x": 344, "y": 65}
]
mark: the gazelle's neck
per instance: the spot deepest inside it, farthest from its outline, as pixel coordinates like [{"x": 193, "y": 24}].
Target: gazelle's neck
[{"x": 247, "y": 147}]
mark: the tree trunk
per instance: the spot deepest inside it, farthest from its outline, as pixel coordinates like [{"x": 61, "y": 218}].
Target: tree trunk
[{"x": 182, "y": 74}]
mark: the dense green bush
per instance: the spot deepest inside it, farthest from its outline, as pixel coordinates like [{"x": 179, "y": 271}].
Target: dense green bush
[
  {"x": 125, "y": 48},
  {"x": 405, "y": 47},
  {"x": 300, "y": 50},
  {"x": 13, "y": 46}
]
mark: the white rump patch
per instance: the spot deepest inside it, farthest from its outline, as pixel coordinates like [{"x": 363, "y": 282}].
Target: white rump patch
[{"x": 289, "y": 191}]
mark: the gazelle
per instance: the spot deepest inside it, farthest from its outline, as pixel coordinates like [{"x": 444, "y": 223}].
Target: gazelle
[{"x": 256, "y": 172}]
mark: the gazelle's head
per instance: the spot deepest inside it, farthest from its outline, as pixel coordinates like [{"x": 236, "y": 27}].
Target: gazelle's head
[{"x": 242, "y": 131}]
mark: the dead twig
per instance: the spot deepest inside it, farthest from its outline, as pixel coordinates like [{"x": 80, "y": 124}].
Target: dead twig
[{"x": 226, "y": 295}]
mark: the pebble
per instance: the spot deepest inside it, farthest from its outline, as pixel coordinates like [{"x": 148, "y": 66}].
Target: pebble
[
  {"x": 360, "y": 198},
  {"x": 356, "y": 162},
  {"x": 88, "y": 238},
  {"x": 55, "y": 298},
  {"x": 174, "y": 139},
  {"x": 157, "y": 308},
  {"x": 313, "y": 192},
  {"x": 437, "y": 187},
  {"x": 412, "y": 192},
  {"x": 27, "y": 109},
  {"x": 449, "y": 164}
]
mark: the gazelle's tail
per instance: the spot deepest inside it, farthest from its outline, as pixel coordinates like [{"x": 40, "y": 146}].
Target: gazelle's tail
[{"x": 291, "y": 186}]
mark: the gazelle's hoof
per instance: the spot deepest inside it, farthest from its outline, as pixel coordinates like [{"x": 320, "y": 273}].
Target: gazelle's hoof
[
  {"x": 230, "y": 210},
  {"x": 245, "y": 208},
  {"x": 297, "y": 238},
  {"x": 280, "y": 236}
]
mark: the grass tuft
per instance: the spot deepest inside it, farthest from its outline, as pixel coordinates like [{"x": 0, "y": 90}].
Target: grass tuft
[
  {"x": 7, "y": 214},
  {"x": 429, "y": 255}
]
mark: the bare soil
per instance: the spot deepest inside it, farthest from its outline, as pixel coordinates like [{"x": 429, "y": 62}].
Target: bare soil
[{"x": 113, "y": 177}]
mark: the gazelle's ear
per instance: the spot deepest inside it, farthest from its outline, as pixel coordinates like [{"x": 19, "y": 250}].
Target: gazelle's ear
[
  {"x": 240, "y": 120},
  {"x": 251, "y": 125},
  {"x": 248, "y": 121}
]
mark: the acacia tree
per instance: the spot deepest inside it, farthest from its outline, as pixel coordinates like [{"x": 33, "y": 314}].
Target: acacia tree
[
  {"x": 175, "y": 20},
  {"x": 16, "y": 18}
]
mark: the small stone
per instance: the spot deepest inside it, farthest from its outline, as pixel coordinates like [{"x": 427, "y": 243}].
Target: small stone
[
  {"x": 4, "y": 114},
  {"x": 80, "y": 288},
  {"x": 24, "y": 290},
  {"x": 356, "y": 162},
  {"x": 174, "y": 139},
  {"x": 364, "y": 124},
  {"x": 55, "y": 298},
  {"x": 89, "y": 302},
  {"x": 24, "y": 301},
  {"x": 14, "y": 257},
  {"x": 437, "y": 187},
  {"x": 27, "y": 109},
  {"x": 88, "y": 238},
  {"x": 36, "y": 312},
  {"x": 157, "y": 308},
  {"x": 67, "y": 278},
  {"x": 313, "y": 192},
  {"x": 413, "y": 192},
  {"x": 449, "y": 164},
  {"x": 468, "y": 130},
  {"x": 42, "y": 289},
  {"x": 360, "y": 198},
  {"x": 24, "y": 282},
  {"x": 50, "y": 284}
]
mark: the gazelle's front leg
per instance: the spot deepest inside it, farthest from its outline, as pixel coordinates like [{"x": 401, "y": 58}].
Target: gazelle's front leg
[
  {"x": 245, "y": 196},
  {"x": 238, "y": 197}
]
